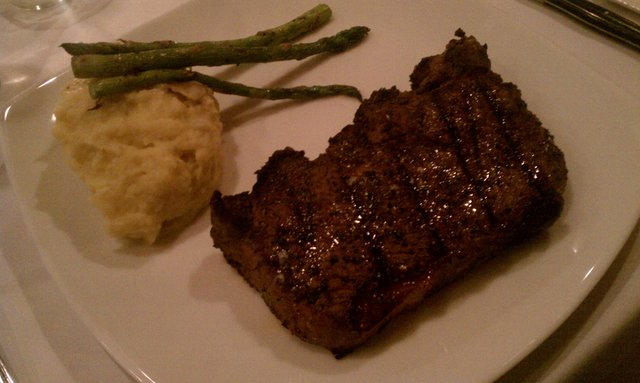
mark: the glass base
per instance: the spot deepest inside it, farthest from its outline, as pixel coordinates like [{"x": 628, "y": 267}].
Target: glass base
[{"x": 37, "y": 5}]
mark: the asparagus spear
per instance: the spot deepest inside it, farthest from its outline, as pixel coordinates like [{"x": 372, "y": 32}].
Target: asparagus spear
[
  {"x": 287, "y": 32},
  {"x": 107, "y": 86},
  {"x": 89, "y": 66},
  {"x": 113, "y": 85}
]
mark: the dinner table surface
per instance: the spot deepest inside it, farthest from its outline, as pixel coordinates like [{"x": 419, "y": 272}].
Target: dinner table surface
[{"x": 600, "y": 341}]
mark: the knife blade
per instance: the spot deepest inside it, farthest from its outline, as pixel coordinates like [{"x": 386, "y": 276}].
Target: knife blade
[
  {"x": 600, "y": 18},
  {"x": 5, "y": 374}
]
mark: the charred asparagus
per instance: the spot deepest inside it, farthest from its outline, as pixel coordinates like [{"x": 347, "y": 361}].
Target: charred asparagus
[{"x": 287, "y": 32}]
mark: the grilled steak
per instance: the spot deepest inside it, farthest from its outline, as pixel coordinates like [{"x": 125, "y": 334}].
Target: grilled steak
[{"x": 423, "y": 186}]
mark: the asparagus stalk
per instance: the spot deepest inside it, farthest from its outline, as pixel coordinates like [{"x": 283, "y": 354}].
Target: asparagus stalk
[
  {"x": 104, "y": 87},
  {"x": 108, "y": 86},
  {"x": 287, "y": 32},
  {"x": 90, "y": 66}
]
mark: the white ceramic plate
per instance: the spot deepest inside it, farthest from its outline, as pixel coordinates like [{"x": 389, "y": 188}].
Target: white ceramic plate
[{"x": 177, "y": 312}]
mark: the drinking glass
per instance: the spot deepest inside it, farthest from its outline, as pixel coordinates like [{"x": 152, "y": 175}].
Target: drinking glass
[{"x": 37, "y": 5}]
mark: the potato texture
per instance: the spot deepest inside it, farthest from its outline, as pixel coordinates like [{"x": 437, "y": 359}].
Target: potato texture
[{"x": 151, "y": 158}]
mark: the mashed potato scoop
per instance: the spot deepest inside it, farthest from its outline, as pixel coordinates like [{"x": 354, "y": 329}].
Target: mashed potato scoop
[{"x": 151, "y": 158}]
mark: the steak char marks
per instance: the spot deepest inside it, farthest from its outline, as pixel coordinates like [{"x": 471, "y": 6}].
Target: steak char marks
[{"x": 423, "y": 186}]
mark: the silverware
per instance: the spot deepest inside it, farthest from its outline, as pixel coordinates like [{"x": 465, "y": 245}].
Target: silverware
[
  {"x": 5, "y": 373},
  {"x": 600, "y": 18}
]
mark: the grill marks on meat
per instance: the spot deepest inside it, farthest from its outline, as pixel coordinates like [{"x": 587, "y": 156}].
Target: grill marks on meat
[{"x": 424, "y": 185}]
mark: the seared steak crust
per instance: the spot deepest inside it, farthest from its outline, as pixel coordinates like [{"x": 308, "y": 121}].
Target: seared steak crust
[{"x": 424, "y": 185}]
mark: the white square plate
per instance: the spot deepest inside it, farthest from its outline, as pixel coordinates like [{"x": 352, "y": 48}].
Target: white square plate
[{"x": 178, "y": 312}]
